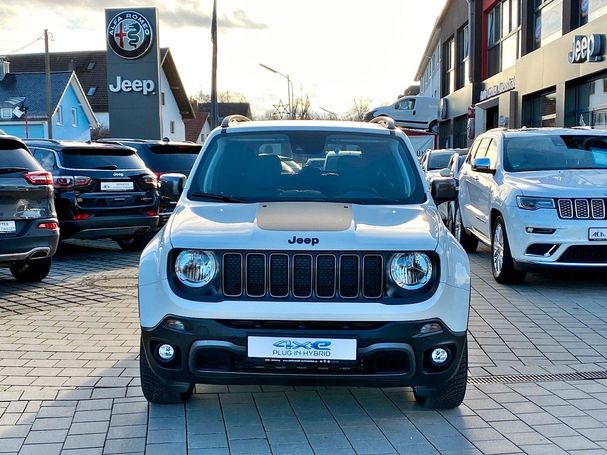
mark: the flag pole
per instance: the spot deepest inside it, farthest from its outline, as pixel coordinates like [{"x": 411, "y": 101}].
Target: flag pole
[{"x": 214, "y": 117}]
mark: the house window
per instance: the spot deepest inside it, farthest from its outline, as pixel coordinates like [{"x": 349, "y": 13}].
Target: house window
[
  {"x": 91, "y": 91},
  {"x": 503, "y": 36},
  {"x": 59, "y": 115},
  {"x": 540, "y": 110},
  {"x": 202, "y": 137},
  {"x": 548, "y": 21},
  {"x": 172, "y": 126},
  {"x": 463, "y": 43},
  {"x": 6, "y": 113},
  {"x": 448, "y": 67},
  {"x": 162, "y": 98},
  {"x": 74, "y": 116}
]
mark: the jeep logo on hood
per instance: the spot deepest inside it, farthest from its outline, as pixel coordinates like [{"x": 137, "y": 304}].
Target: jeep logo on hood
[{"x": 307, "y": 240}]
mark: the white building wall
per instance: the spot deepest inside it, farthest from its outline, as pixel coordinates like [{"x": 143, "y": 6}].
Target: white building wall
[
  {"x": 204, "y": 133},
  {"x": 170, "y": 112},
  {"x": 430, "y": 80},
  {"x": 103, "y": 118}
]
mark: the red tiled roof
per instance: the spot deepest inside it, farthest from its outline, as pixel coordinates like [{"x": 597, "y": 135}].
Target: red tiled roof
[{"x": 193, "y": 126}]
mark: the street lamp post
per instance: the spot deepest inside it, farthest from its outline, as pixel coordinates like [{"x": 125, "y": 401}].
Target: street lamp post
[{"x": 289, "y": 87}]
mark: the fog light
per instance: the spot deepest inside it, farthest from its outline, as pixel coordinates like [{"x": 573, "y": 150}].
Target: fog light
[
  {"x": 175, "y": 324},
  {"x": 439, "y": 356},
  {"x": 430, "y": 327},
  {"x": 166, "y": 352}
]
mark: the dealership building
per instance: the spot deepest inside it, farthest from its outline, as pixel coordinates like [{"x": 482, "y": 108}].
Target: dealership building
[{"x": 515, "y": 63}]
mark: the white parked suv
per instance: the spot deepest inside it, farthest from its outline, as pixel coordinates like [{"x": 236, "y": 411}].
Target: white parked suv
[
  {"x": 339, "y": 272},
  {"x": 537, "y": 197}
]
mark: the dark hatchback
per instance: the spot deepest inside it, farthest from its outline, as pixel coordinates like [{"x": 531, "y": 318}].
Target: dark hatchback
[
  {"x": 163, "y": 157},
  {"x": 101, "y": 191},
  {"x": 29, "y": 230}
]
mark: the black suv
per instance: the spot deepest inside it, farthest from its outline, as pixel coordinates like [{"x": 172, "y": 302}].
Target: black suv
[
  {"x": 101, "y": 191},
  {"x": 163, "y": 157},
  {"x": 29, "y": 231}
]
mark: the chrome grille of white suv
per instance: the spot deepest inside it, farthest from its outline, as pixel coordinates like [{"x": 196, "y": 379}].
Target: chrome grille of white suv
[{"x": 581, "y": 209}]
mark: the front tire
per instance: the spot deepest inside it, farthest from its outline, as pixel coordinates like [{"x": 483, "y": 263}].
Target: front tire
[
  {"x": 502, "y": 264},
  {"x": 31, "y": 271},
  {"x": 452, "y": 393},
  {"x": 153, "y": 390},
  {"x": 468, "y": 241}
]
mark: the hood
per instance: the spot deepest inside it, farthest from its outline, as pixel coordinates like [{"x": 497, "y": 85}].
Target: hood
[
  {"x": 304, "y": 226},
  {"x": 565, "y": 183}
]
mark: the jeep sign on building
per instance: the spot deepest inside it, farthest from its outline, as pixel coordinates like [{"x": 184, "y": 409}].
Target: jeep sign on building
[{"x": 133, "y": 73}]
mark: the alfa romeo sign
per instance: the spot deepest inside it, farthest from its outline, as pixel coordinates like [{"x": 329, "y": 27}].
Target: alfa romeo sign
[{"x": 130, "y": 35}]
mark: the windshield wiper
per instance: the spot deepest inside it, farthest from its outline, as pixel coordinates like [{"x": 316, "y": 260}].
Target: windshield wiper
[
  {"x": 10, "y": 170},
  {"x": 109, "y": 167},
  {"x": 216, "y": 197}
]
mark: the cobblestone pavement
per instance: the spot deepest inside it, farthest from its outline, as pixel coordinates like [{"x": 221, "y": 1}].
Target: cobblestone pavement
[{"x": 69, "y": 377}]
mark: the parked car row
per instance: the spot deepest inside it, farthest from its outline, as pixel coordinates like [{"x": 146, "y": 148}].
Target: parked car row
[
  {"x": 537, "y": 197},
  {"x": 51, "y": 190}
]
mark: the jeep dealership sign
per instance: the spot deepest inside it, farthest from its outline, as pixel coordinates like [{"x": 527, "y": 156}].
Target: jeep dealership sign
[
  {"x": 133, "y": 73},
  {"x": 586, "y": 48}
]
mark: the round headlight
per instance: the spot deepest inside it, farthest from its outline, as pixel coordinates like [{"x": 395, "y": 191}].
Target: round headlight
[
  {"x": 411, "y": 270},
  {"x": 196, "y": 268}
]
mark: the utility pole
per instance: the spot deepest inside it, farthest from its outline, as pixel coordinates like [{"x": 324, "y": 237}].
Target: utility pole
[
  {"x": 47, "y": 70},
  {"x": 214, "y": 114}
]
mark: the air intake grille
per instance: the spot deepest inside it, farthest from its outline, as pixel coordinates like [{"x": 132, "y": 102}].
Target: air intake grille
[
  {"x": 303, "y": 275},
  {"x": 581, "y": 209}
]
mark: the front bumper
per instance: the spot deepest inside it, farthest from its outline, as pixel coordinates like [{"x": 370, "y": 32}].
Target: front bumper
[
  {"x": 389, "y": 354},
  {"x": 568, "y": 246},
  {"x": 115, "y": 226},
  {"x": 29, "y": 242}
]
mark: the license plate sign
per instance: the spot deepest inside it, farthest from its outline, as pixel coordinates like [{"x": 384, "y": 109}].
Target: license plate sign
[
  {"x": 117, "y": 186},
  {"x": 7, "y": 227},
  {"x": 597, "y": 234},
  {"x": 301, "y": 348}
]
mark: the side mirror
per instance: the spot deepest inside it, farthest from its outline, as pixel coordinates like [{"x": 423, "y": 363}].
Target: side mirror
[
  {"x": 171, "y": 185},
  {"x": 397, "y": 106},
  {"x": 443, "y": 190},
  {"x": 445, "y": 172},
  {"x": 482, "y": 165}
]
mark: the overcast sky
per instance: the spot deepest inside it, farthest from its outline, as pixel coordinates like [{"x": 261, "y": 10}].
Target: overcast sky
[{"x": 333, "y": 50}]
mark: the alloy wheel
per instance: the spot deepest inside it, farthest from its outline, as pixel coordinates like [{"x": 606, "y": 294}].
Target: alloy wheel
[{"x": 498, "y": 249}]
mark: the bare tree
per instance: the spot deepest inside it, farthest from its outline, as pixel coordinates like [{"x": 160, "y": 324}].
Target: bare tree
[
  {"x": 360, "y": 106},
  {"x": 222, "y": 97},
  {"x": 301, "y": 108},
  {"x": 100, "y": 132}
]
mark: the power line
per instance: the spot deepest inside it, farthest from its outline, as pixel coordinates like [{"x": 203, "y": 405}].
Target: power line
[{"x": 27, "y": 45}]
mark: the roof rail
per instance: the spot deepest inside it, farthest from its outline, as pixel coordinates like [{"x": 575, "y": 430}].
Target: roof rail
[
  {"x": 41, "y": 139},
  {"x": 235, "y": 118},
  {"x": 385, "y": 121}
]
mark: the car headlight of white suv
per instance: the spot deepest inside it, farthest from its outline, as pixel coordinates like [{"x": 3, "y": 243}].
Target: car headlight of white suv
[
  {"x": 535, "y": 203},
  {"x": 411, "y": 270},
  {"x": 196, "y": 268}
]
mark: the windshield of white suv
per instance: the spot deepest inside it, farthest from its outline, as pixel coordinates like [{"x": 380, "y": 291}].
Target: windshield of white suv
[
  {"x": 308, "y": 166},
  {"x": 538, "y": 153}
]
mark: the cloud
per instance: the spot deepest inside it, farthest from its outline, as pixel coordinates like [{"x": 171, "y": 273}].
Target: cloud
[{"x": 178, "y": 13}]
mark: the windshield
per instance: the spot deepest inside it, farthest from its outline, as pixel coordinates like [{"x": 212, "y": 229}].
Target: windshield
[
  {"x": 168, "y": 158},
  {"x": 537, "y": 153},
  {"x": 308, "y": 166},
  {"x": 439, "y": 161},
  {"x": 101, "y": 158}
]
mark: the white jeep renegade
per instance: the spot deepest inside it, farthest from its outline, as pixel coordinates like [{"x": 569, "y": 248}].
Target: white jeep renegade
[{"x": 305, "y": 253}]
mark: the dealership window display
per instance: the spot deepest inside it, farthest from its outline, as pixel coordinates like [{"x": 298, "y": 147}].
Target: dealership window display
[
  {"x": 586, "y": 103},
  {"x": 540, "y": 110}
]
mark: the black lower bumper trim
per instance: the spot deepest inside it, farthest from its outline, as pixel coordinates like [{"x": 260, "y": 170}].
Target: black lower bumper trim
[{"x": 390, "y": 354}]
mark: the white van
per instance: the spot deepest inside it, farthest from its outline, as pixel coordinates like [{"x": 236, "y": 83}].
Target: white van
[{"x": 419, "y": 112}]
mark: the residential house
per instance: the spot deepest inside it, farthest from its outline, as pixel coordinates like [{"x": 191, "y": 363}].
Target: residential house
[
  {"x": 23, "y": 109},
  {"x": 198, "y": 128}
]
